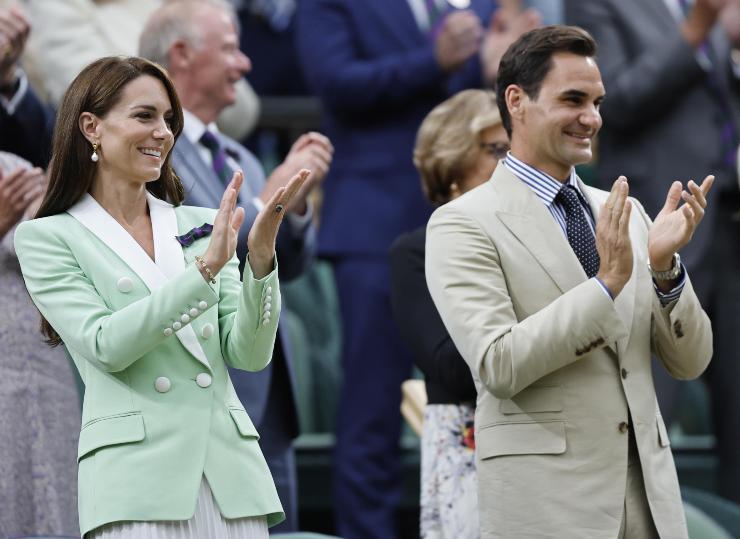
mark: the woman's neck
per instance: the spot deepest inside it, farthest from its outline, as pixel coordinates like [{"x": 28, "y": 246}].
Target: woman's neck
[{"x": 124, "y": 200}]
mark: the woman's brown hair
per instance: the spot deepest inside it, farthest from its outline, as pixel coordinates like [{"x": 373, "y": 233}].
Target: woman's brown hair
[{"x": 97, "y": 89}]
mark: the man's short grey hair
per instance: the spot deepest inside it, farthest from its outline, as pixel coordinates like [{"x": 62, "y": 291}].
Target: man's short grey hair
[{"x": 174, "y": 22}]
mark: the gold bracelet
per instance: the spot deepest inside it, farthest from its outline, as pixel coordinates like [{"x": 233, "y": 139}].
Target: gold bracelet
[{"x": 202, "y": 263}]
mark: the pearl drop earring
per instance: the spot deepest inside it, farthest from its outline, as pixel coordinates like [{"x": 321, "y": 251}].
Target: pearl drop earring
[{"x": 94, "y": 157}]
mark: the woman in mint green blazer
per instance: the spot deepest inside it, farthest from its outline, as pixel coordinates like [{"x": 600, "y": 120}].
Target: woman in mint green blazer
[{"x": 149, "y": 303}]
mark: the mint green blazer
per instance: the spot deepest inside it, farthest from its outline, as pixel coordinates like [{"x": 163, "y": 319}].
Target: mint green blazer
[{"x": 151, "y": 340}]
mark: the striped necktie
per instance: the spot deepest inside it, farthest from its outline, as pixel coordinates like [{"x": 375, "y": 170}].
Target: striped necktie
[{"x": 220, "y": 164}]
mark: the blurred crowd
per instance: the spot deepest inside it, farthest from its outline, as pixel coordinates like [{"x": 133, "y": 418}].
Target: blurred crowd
[{"x": 408, "y": 122}]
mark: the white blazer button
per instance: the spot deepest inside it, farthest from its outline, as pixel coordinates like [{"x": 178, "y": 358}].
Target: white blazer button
[
  {"x": 269, "y": 290},
  {"x": 162, "y": 384},
  {"x": 167, "y": 332},
  {"x": 268, "y": 305},
  {"x": 265, "y": 321},
  {"x": 266, "y": 314},
  {"x": 194, "y": 312},
  {"x": 202, "y": 305},
  {"x": 125, "y": 285},
  {"x": 207, "y": 331},
  {"x": 185, "y": 319},
  {"x": 203, "y": 379},
  {"x": 268, "y": 299},
  {"x": 176, "y": 326}
]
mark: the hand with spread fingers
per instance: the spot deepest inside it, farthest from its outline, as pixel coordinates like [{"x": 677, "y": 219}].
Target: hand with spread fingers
[
  {"x": 613, "y": 238},
  {"x": 262, "y": 235},
  {"x": 674, "y": 226}
]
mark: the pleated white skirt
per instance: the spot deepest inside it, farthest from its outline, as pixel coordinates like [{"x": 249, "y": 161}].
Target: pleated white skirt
[{"x": 207, "y": 523}]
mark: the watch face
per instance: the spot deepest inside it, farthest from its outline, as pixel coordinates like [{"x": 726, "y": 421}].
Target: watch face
[{"x": 668, "y": 274}]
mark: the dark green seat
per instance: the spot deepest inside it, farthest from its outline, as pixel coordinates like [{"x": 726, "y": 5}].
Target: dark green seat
[
  {"x": 723, "y": 512},
  {"x": 313, "y": 299},
  {"x": 692, "y": 412},
  {"x": 701, "y": 526}
]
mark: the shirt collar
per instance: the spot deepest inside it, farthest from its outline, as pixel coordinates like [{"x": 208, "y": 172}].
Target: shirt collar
[
  {"x": 544, "y": 186},
  {"x": 193, "y": 128}
]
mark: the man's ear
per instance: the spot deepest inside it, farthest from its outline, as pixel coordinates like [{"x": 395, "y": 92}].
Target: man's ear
[
  {"x": 90, "y": 126},
  {"x": 178, "y": 56},
  {"x": 515, "y": 98}
]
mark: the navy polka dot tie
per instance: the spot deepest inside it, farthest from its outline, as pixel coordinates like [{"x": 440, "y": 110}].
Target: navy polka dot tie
[{"x": 580, "y": 236}]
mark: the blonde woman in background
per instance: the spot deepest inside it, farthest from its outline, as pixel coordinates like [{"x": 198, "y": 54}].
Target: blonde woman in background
[{"x": 457, "y": 148}]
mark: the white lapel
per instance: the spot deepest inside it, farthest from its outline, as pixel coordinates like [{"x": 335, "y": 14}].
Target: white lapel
[
  {"x": 170, "y": 260},
  {"x": 98, "y": 221},
  {"x": 167, "y": 251}
]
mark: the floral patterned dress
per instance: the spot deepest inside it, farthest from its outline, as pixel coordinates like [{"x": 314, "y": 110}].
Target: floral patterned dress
[{"x": 449, "y": 489}]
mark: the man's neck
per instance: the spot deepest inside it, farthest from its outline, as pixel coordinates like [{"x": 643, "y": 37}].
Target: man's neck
[
  {"x": 555, "y": 170},
  {"x": 198, "y": 106}
]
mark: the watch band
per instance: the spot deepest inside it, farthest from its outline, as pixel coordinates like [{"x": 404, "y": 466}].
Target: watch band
[{"x": 669, "y": 274}]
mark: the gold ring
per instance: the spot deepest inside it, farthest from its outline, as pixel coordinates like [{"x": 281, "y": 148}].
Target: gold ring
[{"x": 278, "y": 208}]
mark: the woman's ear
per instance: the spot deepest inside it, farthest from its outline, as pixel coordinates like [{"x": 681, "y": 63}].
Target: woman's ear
[{"x": 90, "y": 127}]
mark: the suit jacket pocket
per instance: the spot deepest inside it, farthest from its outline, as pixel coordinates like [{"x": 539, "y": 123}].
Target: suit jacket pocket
[
  {"x": 243, "y": 423},
  {"x": 525, "y": 438},
  {"x": 534, "y": 399},
  {"x": 109, "y": 430}
]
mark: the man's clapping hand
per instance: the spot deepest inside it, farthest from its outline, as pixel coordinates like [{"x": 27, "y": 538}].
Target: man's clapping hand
[
  {"x": 613, "y": 238},
  {"x": 18, "y": 190},
  {"x": 458, "y": 40},
  {"x": 312, "y": 151},
  {"x": 675, "y": 225}
]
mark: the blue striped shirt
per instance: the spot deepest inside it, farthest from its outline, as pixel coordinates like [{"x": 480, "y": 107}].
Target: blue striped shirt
[{"x": 546, "y": 188}]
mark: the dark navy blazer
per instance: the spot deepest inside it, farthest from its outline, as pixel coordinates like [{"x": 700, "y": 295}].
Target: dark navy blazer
[{"x": 376, "y": 75}]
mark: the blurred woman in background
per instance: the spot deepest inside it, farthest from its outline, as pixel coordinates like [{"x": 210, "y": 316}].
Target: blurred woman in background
[{"x": 457, "y": 148}]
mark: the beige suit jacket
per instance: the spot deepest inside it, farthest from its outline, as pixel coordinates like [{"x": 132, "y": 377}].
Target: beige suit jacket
[{"x": 558, "y": 365}]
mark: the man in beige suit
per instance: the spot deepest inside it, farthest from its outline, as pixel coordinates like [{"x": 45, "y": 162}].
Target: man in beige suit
[{"x": 556, "y": 294}]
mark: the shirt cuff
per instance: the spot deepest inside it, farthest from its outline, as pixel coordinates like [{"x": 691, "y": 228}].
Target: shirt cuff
[
  {"x": 672, "y": 295},
  {"x": 604, "y": 288},
  {"x": 10, "y": 105},
  {"x": 299, "y": 222}
]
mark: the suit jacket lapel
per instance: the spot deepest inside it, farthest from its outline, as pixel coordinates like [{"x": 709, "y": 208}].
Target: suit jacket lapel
[
  {"x": 529, "y": 220},
  {"x": 196, "y": 175},
  {"x": 101, "y": 224},
  {"x": 167, "y": 251},
  {"x": 170, "y": 260}
]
